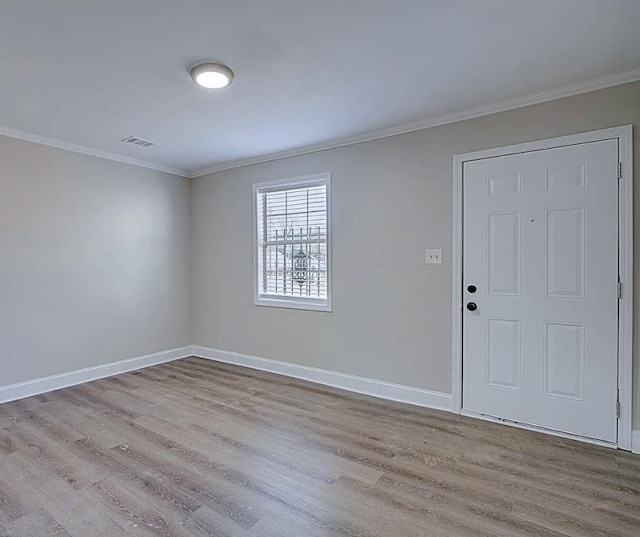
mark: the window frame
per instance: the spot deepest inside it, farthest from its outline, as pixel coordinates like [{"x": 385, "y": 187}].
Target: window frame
[{"x": 291, "y": 302}]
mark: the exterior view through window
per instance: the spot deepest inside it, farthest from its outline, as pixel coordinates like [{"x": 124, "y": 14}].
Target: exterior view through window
[{"x": 292, "y": 243}]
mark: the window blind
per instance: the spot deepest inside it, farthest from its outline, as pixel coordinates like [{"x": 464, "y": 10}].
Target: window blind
[{"x": 292, "y": 241}]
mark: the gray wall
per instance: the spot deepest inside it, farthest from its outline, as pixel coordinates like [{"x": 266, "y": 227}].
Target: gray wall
[
  {"x": 392, "y": 198},
  {"x": 95, "y": 255},
  {"x": 93, "y": 261}
]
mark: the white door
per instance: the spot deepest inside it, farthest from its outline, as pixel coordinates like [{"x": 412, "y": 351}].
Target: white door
[{"x": 541, "y": 249}]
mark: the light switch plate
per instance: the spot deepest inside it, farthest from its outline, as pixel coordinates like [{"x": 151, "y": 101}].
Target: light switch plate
[{"x": 433, "y": 256}]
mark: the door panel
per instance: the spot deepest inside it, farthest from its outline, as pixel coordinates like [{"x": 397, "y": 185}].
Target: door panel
[
  {"x": 564, "y": 253},
  {"x": 540, "y": 245},
  {"x": 504, "y": 253},
  {"x": 503, "y": 353},
  {"x": 564, "y": 360}
]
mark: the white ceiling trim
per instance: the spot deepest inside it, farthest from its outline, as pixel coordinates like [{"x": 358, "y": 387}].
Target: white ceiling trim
[
  {"x": 74, "y": 148},
  {"x": 566, "y": 91}
]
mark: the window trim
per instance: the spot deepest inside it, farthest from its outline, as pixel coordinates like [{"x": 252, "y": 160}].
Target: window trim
[{"x": 292, "y": 302}]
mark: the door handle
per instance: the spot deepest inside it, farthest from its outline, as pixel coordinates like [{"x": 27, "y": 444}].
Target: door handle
[{"x": 472, "y": 306}]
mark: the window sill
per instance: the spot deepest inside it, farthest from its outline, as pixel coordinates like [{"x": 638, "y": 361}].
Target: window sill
[{"x": 293, "y": 304}]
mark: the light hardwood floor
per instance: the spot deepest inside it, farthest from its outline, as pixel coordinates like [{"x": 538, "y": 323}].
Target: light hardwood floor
[{"x": 198, "y": 448}]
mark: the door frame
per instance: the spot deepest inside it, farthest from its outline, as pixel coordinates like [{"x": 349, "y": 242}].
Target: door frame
[{"x": 624, "y": 135}]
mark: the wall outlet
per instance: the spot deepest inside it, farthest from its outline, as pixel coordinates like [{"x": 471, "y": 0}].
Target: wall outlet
[{"x": 433, "y": 256}]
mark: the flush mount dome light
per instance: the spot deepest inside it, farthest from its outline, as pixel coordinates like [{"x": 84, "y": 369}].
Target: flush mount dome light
[{"x": 212, "y": 75}]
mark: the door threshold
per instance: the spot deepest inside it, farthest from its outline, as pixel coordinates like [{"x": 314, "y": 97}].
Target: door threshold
[{"x": 538, "y": 429}]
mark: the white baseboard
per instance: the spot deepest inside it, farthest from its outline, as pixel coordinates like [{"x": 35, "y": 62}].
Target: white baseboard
[
  {"x": 29, "y": 388},
  {"x": 635, "y": 442},
  {"x": 352, "y": 383}
]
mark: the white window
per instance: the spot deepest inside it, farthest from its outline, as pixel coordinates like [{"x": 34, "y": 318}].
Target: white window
[{"x": 292, "y": 243}]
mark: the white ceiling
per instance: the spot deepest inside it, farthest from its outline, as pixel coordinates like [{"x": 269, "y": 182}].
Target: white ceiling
[{"x": 91, "y": 72}]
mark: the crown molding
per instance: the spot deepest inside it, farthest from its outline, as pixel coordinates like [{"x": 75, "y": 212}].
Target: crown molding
[
  {"x": 566, "y": 91},
  {"x": 83, "y": 150},
  {"x": 471, "y": 113}
]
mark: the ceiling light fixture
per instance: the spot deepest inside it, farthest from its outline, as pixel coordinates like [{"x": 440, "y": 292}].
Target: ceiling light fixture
[{"x": 212, "y": 75}]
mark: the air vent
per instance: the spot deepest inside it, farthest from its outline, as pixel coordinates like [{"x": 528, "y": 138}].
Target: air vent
[{"x": 137, "y": 141}]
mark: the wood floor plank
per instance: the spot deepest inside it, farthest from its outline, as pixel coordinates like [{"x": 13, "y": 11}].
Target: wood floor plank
[
  {"x": 7, "y": 442},
  {"x": 205, "y": 521},
  {"x": 53, "y": 457},
  {"x": 14, "y": 504},
  {"x": 35, "y": 489},
  {"x": 84, "y": 515},
  {"x": 132, "y": 512},
  {"x": 198, "y": 448},
  {"x": 39, "y": 523}
]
